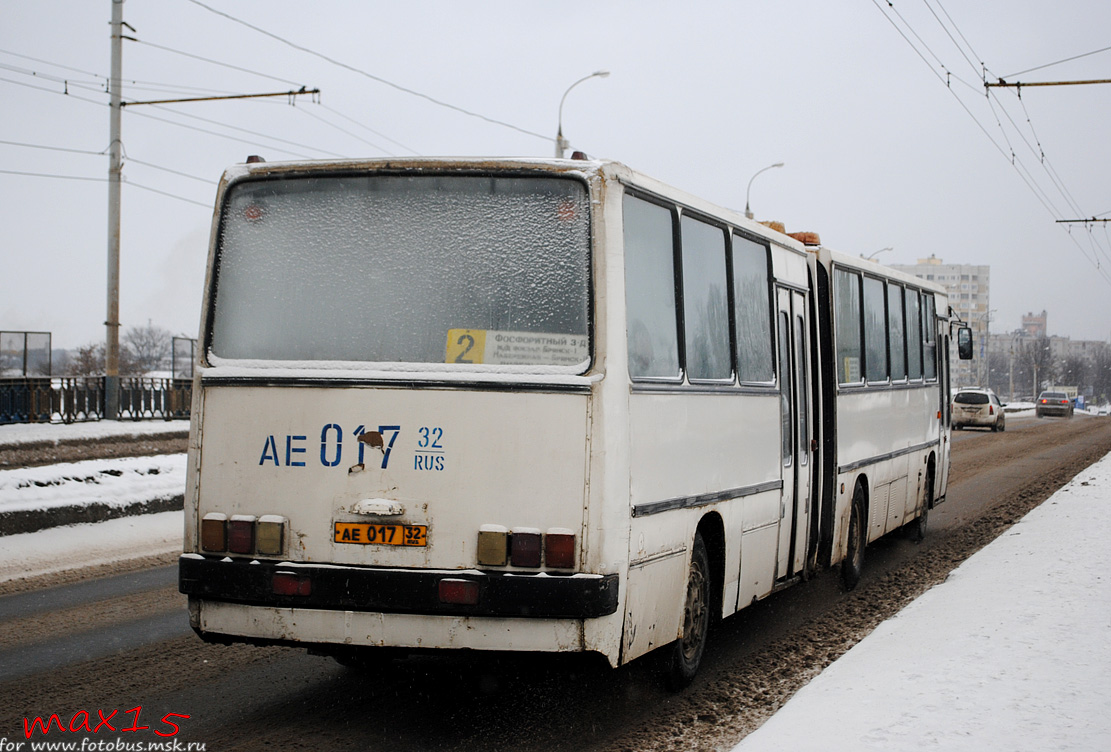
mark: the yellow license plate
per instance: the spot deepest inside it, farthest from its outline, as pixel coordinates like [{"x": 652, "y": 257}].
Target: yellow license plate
[{"x": 384, "y": 535}]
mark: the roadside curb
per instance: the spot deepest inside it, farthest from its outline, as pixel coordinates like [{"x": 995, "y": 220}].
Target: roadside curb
[{"x": 18, "y": 521}]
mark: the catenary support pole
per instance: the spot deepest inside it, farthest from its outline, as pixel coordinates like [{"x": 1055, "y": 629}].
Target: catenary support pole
[{"x": 112, "y": 320}]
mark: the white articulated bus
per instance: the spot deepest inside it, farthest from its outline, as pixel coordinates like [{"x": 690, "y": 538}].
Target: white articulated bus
[{"x": 538, "y": 405}]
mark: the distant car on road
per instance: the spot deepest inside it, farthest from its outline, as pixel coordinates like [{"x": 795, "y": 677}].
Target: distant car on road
[
  {"x": 1053, "y": 403},
  {"x": 978, "y": 407}
]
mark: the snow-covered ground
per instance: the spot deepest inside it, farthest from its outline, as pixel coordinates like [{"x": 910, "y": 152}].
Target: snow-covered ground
[
  {"x": 1012, "y": 652},
  {"x": 113, "y": 482},
  {"x": 60, "y": 549},
  {"x": 26, "y": 433}
]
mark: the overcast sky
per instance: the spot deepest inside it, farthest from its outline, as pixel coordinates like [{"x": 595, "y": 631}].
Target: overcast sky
[{"x": 852, "y": 96}]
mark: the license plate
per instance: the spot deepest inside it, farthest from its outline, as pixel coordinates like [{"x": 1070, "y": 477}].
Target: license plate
[{"x": 367, "y": 533}]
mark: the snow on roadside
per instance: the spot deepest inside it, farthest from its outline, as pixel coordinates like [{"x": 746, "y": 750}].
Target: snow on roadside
[
  {"x": 28, "y": 433},
  {"x": 1011, "y": 652},
  {"x": 114, "y": 482},
  {"x": 88, "y": 545}
]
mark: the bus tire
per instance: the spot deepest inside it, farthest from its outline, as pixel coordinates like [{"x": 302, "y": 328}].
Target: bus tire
[
  {"x": 853, "y": 564},
  {"x": 916, "y": 528},
  {"x": 683, "y": 656}
]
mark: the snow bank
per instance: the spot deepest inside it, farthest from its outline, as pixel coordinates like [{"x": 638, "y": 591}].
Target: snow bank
[
  {"x": 113, "y": 482},
  {"x": 1011, "y": 652},
  {"x": 81, "y": 546},
  {"x": 30, "y": 433}
]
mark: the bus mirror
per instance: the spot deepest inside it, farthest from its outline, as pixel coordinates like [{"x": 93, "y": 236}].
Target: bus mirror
[{"x": 964, "y": 343}]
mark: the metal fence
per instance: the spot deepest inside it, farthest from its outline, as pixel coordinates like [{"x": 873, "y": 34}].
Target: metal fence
[{"x": 76, "y": 400}]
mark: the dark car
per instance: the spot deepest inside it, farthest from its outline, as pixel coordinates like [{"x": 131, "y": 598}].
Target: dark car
[
  {"x": 978, "y": 407},
  {"x": 1053, "y": 403}
]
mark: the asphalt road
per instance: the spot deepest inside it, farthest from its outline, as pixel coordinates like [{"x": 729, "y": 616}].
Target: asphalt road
[{"x": 122, "y": 642}]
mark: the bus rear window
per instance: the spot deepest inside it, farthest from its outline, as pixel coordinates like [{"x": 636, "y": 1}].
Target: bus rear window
[{"x": 404, "y": 269}]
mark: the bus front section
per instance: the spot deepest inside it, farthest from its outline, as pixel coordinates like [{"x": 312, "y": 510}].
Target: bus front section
[{"x": 392, "y": 412}]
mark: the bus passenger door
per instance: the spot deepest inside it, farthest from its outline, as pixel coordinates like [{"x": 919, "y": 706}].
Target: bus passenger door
[
  {"x": 794, "y": 412},
  {"x": 945, "y": 410}
]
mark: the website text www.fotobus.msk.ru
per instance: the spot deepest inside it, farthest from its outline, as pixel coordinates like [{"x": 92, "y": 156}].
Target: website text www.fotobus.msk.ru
[{"x": 86, "y": 744}]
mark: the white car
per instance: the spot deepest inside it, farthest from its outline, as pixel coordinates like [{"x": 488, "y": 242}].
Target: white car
[{"x": 974, "y": 407}]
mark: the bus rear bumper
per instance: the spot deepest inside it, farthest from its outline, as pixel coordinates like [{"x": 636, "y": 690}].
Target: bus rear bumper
[{"x": 396, "y": 591}]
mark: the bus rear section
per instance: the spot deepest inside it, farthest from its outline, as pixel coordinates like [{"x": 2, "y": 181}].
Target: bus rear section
[{"x": 391, "y": 429}]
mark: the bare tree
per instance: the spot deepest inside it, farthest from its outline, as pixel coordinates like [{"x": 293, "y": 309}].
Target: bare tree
[
  {"x": 87, "y": 360},
  {"x": 148, "y": 347},
  {"x": 1074, "y": 371},
  {"x": 1040, "y": 356},
  {"x": 1101, "y": 374}
]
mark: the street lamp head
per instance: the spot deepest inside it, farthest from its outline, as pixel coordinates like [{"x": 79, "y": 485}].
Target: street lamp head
[
  {"x": 748, "y": 212},
  {"x": 560, "y": 142}
]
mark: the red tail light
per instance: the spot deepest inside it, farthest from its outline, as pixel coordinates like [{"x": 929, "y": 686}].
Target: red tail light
[
  {"x": 241, "y": 534},
  {"x": 559, "y": 549},
  {"x": 524, "y": 549},
  {"x": 288, "y": 583},
  {"x": 464, "y": 592}
]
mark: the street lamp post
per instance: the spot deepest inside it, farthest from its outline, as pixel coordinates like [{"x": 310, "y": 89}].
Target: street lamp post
[
  {"x": 872, "y": 255},
  {"x": 748, "y": 212},
  {"x": 982, "y": 330},
  {"x": 561, "y": 145}
]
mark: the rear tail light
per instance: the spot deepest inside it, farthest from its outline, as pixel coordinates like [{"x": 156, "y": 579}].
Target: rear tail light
[
  {"x": 463, "y": 592},
  {"x": 214, "y": 532},
  {"x": 493, "y": 545},
  {"x": 559, "y": 549},
  {"x": 241, "y": 534},
  {"x": 991, "y": 409},
  {"x": 244, "y": 534},
  {"x": 288, "y": 583},
  {"x": 268, "y": 534},
  {"x": 525, "y": 548}
]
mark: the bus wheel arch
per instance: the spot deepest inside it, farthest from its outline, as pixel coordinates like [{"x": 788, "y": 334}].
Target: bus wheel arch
[
  {"x": 916, "y": 528},
  {"x": 682, "y": 657},
  {"x": 852, "y": 566}
]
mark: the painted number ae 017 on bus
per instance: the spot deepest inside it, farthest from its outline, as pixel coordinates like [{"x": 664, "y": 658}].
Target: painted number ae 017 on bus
[{"x": 538, "y": 405}]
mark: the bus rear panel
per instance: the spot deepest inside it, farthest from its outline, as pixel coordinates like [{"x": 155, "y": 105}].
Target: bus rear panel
[{"x": 391, "y": 429}]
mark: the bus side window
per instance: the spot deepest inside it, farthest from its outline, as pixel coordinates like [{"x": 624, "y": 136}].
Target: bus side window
[
  {"x": 752, "y": 303},
  {"x": 850, "y": 344},
  {"x": 705, "y": 302},
  {"x": 914, "y": 335},
  {"x": 875, "y": 331},
  {"x": 653, "y": 335},
  {"x": 929, "y": 337},
  {"x": 896, "y": 331}
]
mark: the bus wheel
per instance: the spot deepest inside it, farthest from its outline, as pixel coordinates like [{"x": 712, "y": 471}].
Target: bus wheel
[
  {"x": 916, "y": 528},
  {"x": 853, "y": 565},
  {"x": 685, "y": 654}
]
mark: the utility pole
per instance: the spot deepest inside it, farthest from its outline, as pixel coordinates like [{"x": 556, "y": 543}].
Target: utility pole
[
  {"x": 112, "y": 320},
  {"x": 115, "y": 171}
]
